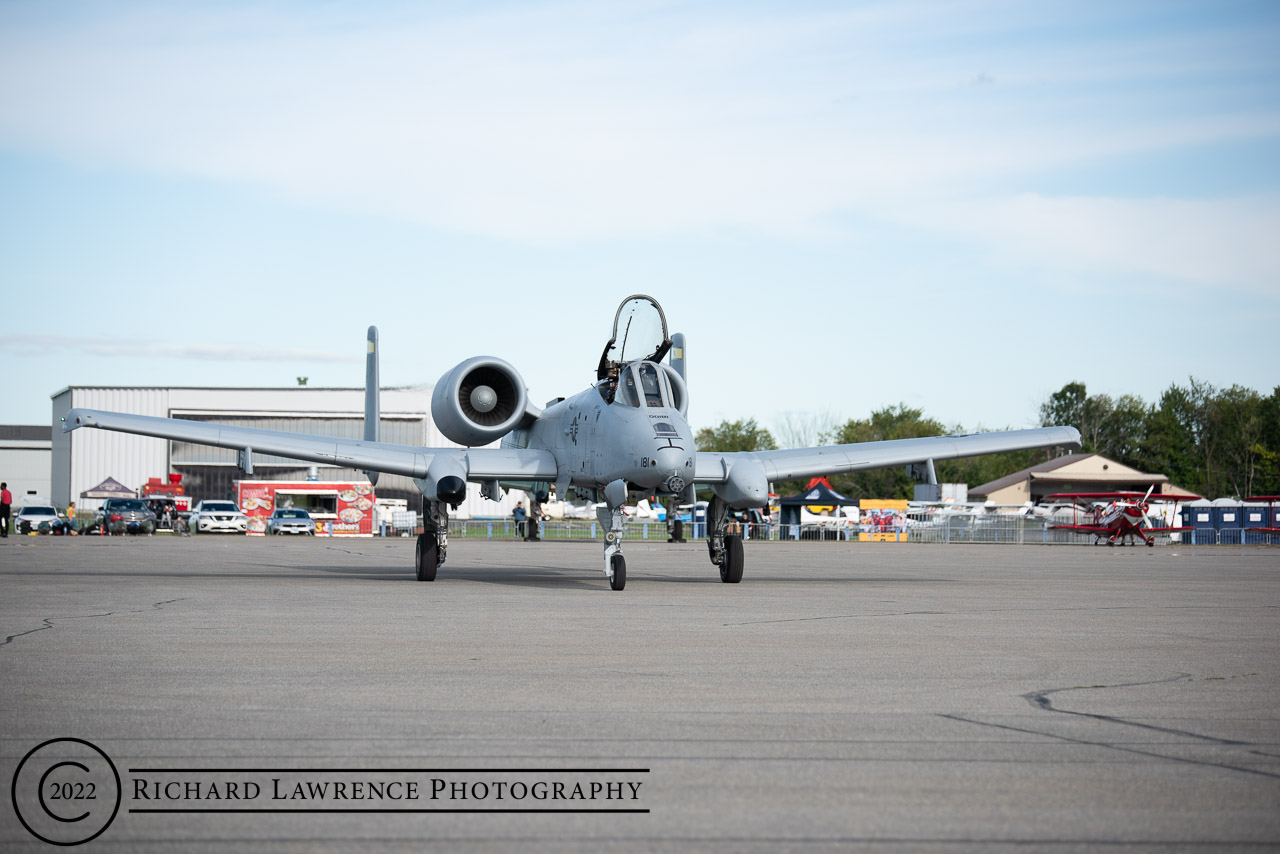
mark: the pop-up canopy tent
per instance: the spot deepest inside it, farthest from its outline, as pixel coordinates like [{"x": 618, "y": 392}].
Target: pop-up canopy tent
[
  {"x": 818, "y": 494},
  {"x": 109, "y": 488}
]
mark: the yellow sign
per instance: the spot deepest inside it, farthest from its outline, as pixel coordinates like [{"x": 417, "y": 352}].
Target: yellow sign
[{"x": 882, "y": 521}]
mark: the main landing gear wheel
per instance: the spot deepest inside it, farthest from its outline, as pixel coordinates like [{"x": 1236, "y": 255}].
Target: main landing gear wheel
[
  {"x": 426, "y": 557},
  {"x": 619, "y": 566},
  {"x": 731, "y": 564}
]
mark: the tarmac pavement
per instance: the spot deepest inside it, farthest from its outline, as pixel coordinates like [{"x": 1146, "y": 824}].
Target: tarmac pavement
[{"x": 843, "y": 697}]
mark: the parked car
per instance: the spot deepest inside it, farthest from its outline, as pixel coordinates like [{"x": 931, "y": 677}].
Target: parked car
[
  {"x": 38, "y": 519},
  {"x": 288, "y": 520},
  {"x": 127, "y": 516},
  {"x": 210, "y": 516}
]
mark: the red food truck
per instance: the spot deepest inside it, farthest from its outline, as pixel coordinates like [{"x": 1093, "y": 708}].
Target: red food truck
[{"x": 339, "y": 509}]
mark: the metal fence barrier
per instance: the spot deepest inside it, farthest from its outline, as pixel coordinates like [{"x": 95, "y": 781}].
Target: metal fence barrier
[{"x": 920, "y": 528}]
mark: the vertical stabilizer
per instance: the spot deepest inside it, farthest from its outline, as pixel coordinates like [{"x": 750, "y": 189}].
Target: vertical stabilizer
[
  {"x": 372, "y": 411},
  {"x": 677, "y": 355}
]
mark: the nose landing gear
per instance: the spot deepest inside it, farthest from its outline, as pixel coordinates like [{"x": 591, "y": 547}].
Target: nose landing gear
[
  {"x": 618, "y": 578},
  {"x": 611, "y": 518}
]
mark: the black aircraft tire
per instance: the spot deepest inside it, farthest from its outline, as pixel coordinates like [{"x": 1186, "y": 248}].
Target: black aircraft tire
[
  {"x": 426, "y": 558},
  {"x": 731, "y": 566},
  {"x": 619, "y": 566}
]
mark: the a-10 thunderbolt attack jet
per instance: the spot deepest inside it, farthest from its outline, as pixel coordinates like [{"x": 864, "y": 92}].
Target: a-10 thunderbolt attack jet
[{"x": 626, "y": 435}]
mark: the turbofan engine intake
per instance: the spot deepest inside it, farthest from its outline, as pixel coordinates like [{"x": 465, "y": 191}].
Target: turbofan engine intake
[{"x": 479, "y": 401}]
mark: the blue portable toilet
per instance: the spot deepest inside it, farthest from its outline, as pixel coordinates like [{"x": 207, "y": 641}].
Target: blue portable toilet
[
  {"x": 1228, "y": 518},
  {"x": 1255, "y": 515},
  {"x": 1198, "y": 514},
  {"x": 1262, "y": 511}
]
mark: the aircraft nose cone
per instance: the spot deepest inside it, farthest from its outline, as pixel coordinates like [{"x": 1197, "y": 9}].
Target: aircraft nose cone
[{"x": 670, "y": 464}]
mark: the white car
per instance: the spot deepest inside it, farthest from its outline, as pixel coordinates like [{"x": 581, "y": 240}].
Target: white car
[
  {"x": 29, "y": 519},
  {"x": 288, "y": 520},
  {"x": 213, "y": 516}
]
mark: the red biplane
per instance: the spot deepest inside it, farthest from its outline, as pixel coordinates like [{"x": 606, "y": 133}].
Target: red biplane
[{"x": 1116, "y": 515}]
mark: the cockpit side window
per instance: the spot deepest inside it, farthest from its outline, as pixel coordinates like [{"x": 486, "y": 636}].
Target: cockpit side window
[
  {"x": 651, "y": 385},
  {"x": 626, "y": 394}
]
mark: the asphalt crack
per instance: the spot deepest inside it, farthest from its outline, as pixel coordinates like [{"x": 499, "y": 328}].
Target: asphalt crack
[
  {"x": 1040, "y": 700},
  {"x": 49, "y": 622},
  {"x": 1109, "y": 746}
]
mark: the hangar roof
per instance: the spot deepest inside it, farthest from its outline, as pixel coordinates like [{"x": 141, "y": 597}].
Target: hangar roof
[
  {"x": 1019, "y": 476},
  {"x": 1076, "y": 469},
  {"x": 26, "y": 433}
]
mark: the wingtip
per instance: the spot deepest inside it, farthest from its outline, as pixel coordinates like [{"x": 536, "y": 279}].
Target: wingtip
[{"x": 76, "y": 418}]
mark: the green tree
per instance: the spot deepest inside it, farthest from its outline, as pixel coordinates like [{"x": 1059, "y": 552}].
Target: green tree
[
  {"x": 892, "y": 422},
  {"x": 1204, "y": 429},
  {"x": 1065, "y": 407},
  {"x": 1169, "y": 446},
  {"x": 1237, "y": 418},
  {"x": 740, "y": 435},
  {"x": 1268, "y": 481},
  {"x": 1113, "y": 427}
]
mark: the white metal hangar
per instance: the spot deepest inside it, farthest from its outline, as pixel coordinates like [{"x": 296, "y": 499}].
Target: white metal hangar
[
  {"x": 84, "y": 458},
  {"x": 24, "y": 462}
]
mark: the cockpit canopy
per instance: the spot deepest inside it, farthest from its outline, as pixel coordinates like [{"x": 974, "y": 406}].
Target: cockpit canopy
[
  {"x": 631, "y": 371},
  {"x": 639, "y": 334},
  {"x": 643, "y": 384}
]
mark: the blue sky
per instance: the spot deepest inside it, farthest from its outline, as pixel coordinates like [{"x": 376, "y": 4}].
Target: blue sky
[{"x": 960, "y": 206}]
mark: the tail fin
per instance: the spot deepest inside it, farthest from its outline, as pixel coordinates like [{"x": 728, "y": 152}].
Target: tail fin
[
  {"x": 372, "y": 411},
  {"x": 677, "y": 354}
]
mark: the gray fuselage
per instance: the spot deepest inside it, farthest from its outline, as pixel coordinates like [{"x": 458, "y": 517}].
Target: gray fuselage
[{"x": 638, "y": 437}]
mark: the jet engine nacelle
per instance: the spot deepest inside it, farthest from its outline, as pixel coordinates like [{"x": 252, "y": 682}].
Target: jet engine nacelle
[{"x": 479, "y": 401}]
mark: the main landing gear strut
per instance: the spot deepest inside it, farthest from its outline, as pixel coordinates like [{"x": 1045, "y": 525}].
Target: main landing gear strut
[
  {"x": 433, "y": 540},
  {"x": 726, "y": 549}
]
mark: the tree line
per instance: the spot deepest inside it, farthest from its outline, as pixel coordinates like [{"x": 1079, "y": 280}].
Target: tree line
[{"x": 1215, "y": 442}]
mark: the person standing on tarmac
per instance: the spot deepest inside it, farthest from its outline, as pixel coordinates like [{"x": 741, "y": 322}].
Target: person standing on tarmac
[{"x": 6, "y": 498}]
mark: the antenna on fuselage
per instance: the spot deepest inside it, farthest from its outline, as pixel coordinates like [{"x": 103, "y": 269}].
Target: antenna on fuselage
[{"x": 372, "y": 411}]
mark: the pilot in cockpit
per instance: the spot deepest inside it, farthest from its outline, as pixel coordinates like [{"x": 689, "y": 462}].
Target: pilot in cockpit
[
  {"x": 627, "y": 388},
  {"x": 649, "y": 382}
]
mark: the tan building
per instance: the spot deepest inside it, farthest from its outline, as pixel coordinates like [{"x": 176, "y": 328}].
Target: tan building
[{"x": 1071, "y": 473}]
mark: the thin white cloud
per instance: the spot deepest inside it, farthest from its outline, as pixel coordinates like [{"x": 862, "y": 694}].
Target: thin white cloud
[
  {"x": 37, "y": 345},
  {"x": 1197, "y": 241},
  {"x": 566, "y": 122}
]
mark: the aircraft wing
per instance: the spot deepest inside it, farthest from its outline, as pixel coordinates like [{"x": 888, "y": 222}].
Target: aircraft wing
[
  {"x": 1119, "y": 496},
  {"x": 1098, "y": 529},
  {"x": 408, "y": 460},
  {"x": 797, "y": 463}
]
